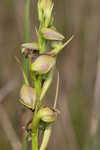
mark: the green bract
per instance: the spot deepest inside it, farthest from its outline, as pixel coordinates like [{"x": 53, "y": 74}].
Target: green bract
[
  {"x": 43, "y": 64},
  {"x": 56, "y": 44},
  {"x": 51, "y": 34},
  {"x": 60, "y": 47},
  {"x": 28, "y": 96},
  {"x": 47, "y": 115},
  {"x": 46, "y": 85}
]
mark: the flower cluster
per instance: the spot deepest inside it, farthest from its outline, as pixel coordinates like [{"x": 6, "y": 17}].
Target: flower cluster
[{"x": 42, "y": 57}]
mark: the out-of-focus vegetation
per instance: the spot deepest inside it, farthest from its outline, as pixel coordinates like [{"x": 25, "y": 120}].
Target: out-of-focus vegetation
[{"x": 78, "y": 126}]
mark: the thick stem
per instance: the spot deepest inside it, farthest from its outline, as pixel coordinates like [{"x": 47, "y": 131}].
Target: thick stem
[
  {"x": 35, "y": 124},
  {"x": 35, "y": 140},
  {"x": 46, "y": 137}
]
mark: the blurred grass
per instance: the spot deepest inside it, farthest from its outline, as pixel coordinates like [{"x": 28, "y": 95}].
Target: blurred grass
[{"x": 78, "y": 74}]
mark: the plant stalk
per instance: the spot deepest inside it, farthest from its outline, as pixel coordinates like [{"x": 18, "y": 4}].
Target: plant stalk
[
  {"x": 27, "y": 22},
  {"x": 35, "y": 140},
  {"x": 41, "y": 80},
  {"x": 25, "y": 61},
  {"x": 26, "y": 34}
]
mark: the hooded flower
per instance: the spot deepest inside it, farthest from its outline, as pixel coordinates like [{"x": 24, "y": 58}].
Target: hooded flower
[{"x": 43, "y": 64}]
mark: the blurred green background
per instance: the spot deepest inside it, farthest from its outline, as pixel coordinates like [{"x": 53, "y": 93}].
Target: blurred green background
[{"x": 78, "y": 126}]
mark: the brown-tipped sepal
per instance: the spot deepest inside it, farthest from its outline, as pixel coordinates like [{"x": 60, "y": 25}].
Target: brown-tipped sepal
[
  {"x": 28, "y": 96},
  {"x": 51, "y": 34},
  {"x": 43, "y": 64},
  {"x": 47, "y": 115}
]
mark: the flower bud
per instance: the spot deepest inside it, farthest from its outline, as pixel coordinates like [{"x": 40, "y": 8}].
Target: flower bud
[
  {"x": 47, "y": 115},
  {"x": 51, "y": 34},
  {"x": 43, "y": 64},
  {"x": 28, "y": 96}
]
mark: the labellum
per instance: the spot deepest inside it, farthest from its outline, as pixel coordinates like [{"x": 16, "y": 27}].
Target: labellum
[
  {"x": 51, "y": 34},
  {"x": 28, "y": 96},
  {"x": 43, "y": 64}
]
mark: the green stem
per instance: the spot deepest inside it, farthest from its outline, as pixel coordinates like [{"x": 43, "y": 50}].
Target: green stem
[
  {"x": 37, "y": 84},
  {"x": 25, "y": 61},
  {"x": 27, "y": 22},
  {"x": 46, "y": 137},
  {"x": 25, "y": 140},
  {"x": 35, "y": 124},
  {"x": 26, "y": 34},
  {"x": 35, "y": 140}
]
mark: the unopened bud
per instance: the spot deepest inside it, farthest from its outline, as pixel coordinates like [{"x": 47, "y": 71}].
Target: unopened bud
[
  {"x": 43, "y": 64},
  {"x": 47, "y": 115},
  {"x": 51, "y": 34},
  {"x": 28, "y": 96}
]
